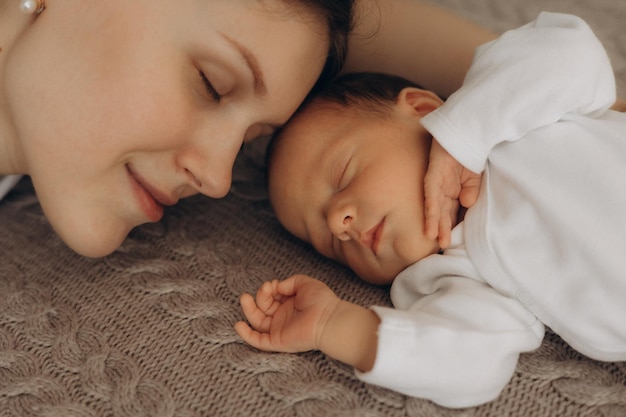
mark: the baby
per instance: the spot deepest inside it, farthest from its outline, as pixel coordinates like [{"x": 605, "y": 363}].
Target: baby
[{"x": 543, "y": 245}]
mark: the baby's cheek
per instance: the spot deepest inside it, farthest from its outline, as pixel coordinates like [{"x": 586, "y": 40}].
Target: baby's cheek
[
  {"x": 411, "y": 249},
  {"x": 370, "y": 268}
]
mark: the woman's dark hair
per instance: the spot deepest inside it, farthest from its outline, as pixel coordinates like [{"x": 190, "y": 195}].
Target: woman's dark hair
[{"x": 339, "y": 18}]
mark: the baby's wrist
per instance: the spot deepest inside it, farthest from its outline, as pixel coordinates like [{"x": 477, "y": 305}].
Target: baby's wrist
[
  {"x": 350, "y": 335},
  {"x": 326, "y": 326}
]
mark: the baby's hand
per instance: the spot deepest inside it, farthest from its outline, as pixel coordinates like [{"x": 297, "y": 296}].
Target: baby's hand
[
  {"x": 446, "y": 184},
  {"x": 287, "y": 316}
]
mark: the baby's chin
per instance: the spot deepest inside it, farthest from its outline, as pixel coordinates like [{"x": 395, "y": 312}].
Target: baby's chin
[
  {"x": 388, "y": 271},
  {"x": 384, "y": 276}
]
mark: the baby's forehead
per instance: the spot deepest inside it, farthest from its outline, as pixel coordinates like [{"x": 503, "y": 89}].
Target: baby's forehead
[
  {"x": 315, "y": 127},
  {"x": 299, "y": 157}
]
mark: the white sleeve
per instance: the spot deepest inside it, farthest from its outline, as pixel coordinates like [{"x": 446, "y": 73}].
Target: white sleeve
[
  {"x": 527, "y": 78},
  {"x": 457, "y": 343}
]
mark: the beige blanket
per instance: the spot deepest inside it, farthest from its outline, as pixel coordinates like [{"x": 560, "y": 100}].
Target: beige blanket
[{"x": 148, "y": 330}]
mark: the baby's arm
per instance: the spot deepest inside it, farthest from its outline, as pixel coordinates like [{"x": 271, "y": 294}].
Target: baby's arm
[
  {"x": 528, "y": 78},
  {"x": 519, "y": 82},
  {"x": 301, "y": 314}
]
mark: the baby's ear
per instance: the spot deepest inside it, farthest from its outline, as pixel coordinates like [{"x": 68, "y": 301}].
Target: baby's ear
[{"x": 416, "y": 100}]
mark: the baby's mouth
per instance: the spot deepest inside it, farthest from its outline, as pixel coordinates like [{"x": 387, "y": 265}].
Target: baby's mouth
[{"x": 372, "y": 237}]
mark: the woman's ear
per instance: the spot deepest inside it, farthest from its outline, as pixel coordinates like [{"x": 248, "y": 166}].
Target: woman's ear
[{"x": 416, "y": 100}]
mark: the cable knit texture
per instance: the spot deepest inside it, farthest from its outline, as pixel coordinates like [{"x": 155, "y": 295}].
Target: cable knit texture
[{"x": 148, "y": 331}]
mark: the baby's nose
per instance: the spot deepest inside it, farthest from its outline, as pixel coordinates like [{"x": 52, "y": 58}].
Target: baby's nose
[{"x": 340, "y": 220}]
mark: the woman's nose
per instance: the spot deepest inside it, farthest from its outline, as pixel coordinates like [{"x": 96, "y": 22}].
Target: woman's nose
[
  {"x": 340, "y": 217},
  {"x": 209, "y": 167},
  {"x": 216, "y": 182}
]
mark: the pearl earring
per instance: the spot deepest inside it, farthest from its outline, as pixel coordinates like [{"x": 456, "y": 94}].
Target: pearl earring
[{"x": 32, "y": 6}]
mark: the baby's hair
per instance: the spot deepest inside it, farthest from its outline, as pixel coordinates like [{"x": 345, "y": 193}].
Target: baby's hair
[
  {"x": 370, "y": 92},
  {"x": 357, "y": 88}
]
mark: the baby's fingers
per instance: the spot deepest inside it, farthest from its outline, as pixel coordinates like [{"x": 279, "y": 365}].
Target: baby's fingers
[
  {"x": 252, "y": 337},
  {"x": 445, "y": 228},
  {"x": 267, "y": 297},
  {"x": 433, "y": 200},
  {"x": 470, "y": 190},
  {"x": 431, "y": 228},
  {"x": 257, "y": 318}
]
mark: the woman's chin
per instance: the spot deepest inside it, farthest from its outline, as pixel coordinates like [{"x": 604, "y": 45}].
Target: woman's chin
[{"x": 94, "y": 244}]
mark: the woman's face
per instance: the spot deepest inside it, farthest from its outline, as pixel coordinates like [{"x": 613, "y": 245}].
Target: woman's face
[{"x": 121, "y": 107}]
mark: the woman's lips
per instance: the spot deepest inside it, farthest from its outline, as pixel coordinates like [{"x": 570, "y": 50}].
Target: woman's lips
[{"x": 151, "y": 200}]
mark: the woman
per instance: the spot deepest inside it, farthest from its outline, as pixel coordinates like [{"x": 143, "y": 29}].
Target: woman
[{"x": 116, "y": 109}]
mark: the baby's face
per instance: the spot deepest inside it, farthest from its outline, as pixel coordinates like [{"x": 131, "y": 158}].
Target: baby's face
[{"x": 352, "y": 186}]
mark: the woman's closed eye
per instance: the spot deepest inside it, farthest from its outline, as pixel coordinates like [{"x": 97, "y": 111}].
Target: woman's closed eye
[{"x": 215, "y": 96}]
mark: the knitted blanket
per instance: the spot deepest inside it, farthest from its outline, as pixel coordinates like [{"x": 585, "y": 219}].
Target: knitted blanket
[{"x": 148, "y": 330}]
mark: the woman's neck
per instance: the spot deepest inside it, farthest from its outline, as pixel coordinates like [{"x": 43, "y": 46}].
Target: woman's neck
[{"x": 12, "y": 24}]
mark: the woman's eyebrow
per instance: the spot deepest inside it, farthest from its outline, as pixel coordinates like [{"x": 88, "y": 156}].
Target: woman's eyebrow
[{"x": 253, "y": 64}]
